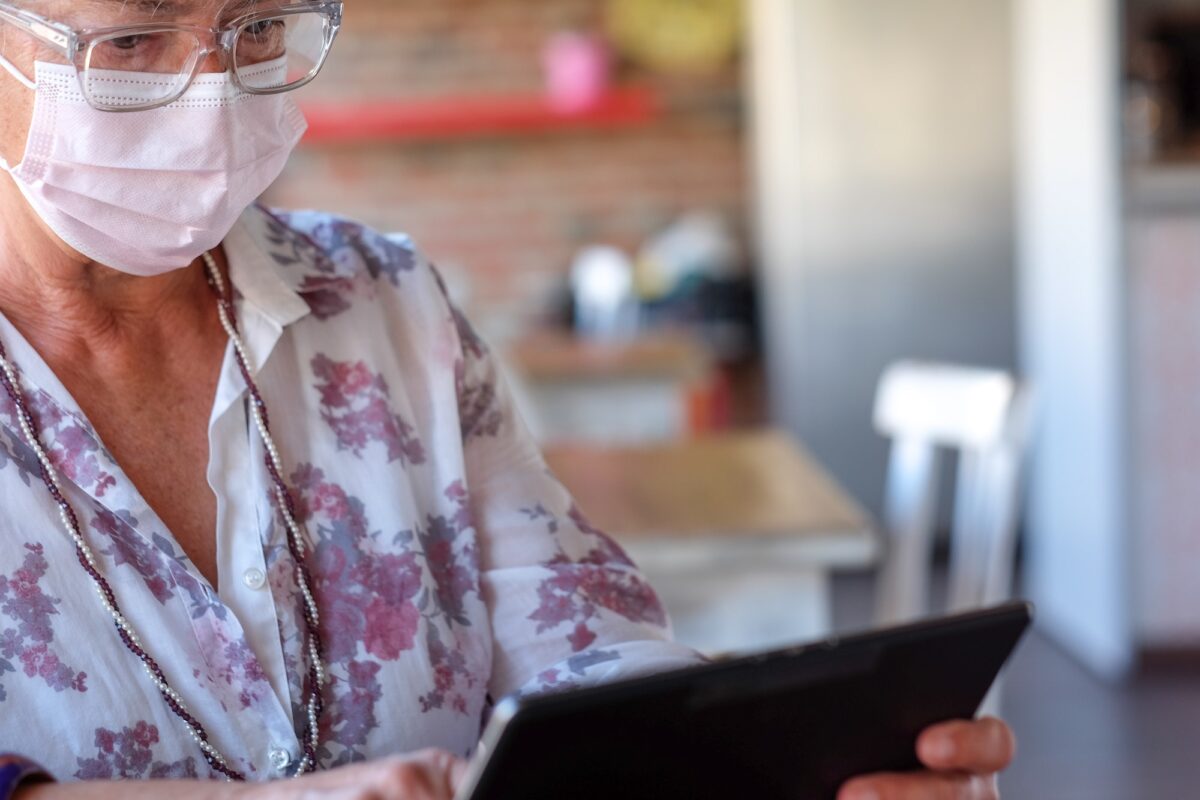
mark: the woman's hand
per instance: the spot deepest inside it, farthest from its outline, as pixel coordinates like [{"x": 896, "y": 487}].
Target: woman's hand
[
  {"x": 427, "y": 775},
  {"x": 963, "y": 759}
]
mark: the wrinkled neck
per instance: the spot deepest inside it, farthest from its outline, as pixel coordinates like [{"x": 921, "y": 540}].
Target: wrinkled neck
[{"x": 69, "y": 307}]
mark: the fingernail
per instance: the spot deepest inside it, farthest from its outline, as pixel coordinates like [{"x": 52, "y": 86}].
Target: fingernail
[
  {"x": 940, "y": 749},
  {"x": 861, "y": 793}
]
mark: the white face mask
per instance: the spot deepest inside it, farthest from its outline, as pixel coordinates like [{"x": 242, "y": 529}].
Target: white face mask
[{"x": 148, "y": 192}]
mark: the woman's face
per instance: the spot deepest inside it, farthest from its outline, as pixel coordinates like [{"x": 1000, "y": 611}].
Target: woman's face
[{"x": 23, "y": 50}]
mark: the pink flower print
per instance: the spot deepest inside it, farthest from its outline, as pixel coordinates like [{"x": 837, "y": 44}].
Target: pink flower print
[
  {"x": 386, "y": 604},
  {"x": 75, "y": 452},
  {"x": 364, "y": 597},
  {"x": 603, "y": 578},
  {"x": 23, "y": 601},
  {"x": 581, "y": 638},
  {"x": 355, "y": 404},
  {"x": 576, "y": 592},
  {"x": 39, "y": 662},
  {"x": 391, "y": 618},
  {"x": 328, "y": 504},
  {"x": 390, "y": 630},
  {"x": 129, "y": 754}
]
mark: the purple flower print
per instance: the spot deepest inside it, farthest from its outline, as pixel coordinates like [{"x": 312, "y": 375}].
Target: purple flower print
[
  {"x": 452, "y": 676},
  {"x": 334, "y": 253},
  {"x": 129, "y": 548},
  {"x": 71, "y": 445},
  {"x": 384, "y": 605},
  {"x": 16, "y": 453},
  {"x": 327, "y": 297},
  {"x": 355, "y": 404},
  {"x": 352, "y": 717},
  {"x": 24, "y": 602},
  {"x": 479, "y": 413},
  {"x": 129, "y": 754},
  {"x": 349, "y": 243},
  {"x": 563, "y": 677},
  {"x": 290, "y": 247},
  {"x": 479, "y": 410},
  {"x": 606, "y": 551},
  {"x": 578, "y": 589},
  {"x": 455, "y": 572}
]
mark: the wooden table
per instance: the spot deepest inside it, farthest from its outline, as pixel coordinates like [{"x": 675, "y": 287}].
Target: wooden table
[
  {"x": 738, "y": 532},
  {"x": 649, "y": 388}
]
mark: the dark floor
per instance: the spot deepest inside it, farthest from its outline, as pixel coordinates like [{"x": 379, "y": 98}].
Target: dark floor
[{"x": 1080, "y": 738}]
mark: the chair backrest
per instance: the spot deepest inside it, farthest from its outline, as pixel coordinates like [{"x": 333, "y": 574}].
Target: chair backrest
[{"x": 927, "y": 409}]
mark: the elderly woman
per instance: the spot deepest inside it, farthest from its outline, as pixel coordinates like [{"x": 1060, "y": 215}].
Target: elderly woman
[{"x": 267, "y": 511}]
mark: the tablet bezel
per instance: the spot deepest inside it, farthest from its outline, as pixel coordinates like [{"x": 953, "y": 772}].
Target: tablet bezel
[{"x": 1000, "y": 618}]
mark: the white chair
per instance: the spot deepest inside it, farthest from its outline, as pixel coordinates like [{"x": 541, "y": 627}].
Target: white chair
[{"x": 927, "y": 409}]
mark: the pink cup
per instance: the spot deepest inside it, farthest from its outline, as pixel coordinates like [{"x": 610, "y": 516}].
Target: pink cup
[{"x": 578, "y": 71}]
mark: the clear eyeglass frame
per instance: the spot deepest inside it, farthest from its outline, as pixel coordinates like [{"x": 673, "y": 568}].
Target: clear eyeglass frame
[{"x": 76, "y": 45}]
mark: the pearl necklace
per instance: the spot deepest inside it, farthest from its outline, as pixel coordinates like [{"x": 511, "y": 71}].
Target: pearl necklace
[{"x": 314, "y": 704}]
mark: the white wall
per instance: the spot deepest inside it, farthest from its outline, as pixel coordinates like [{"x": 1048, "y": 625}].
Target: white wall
[
  {"x": 1073, "y": 323},
  {"x": 884, "y": 138}
]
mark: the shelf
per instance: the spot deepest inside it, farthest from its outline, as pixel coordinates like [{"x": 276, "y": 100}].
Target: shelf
[{"x": 471, "y": 117}]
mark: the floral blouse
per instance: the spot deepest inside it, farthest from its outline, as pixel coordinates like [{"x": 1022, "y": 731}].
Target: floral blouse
[{"x": 450, "y": 567}]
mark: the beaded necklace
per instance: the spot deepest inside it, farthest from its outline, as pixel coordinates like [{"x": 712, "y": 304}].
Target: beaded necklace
[{"x": 314, "y": 703}]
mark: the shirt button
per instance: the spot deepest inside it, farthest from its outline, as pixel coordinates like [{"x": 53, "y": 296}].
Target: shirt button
[
  {"x": 281, "y": 759},
  {"x": 254, "y": 578}
]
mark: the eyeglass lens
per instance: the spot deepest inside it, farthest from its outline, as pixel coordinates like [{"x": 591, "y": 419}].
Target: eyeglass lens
[
  {"x": 301, "y": 38},
  {"x": 269, "y": 54}
]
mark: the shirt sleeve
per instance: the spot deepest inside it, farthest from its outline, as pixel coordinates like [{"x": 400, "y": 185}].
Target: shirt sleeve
[
  {"x": 16, "y": 772},
  {"x": 568, "y": 607}
]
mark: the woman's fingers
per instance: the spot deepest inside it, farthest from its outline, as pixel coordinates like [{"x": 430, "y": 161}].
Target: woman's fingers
[
  {"x": 427, "y": 775},
  {"x": 921, "y": 786},
  {"x": 963, "y": 759},
  {"x": 983, "y": 747}
]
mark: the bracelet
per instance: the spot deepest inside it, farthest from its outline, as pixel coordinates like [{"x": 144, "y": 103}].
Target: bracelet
[{"x": 15, "y": 772}]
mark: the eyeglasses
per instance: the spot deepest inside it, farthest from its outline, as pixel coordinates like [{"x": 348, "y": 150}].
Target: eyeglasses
[{"x": 296, "y": 37}]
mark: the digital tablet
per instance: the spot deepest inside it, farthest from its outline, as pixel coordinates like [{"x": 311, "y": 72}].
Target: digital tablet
[{"x": 784, "y": 725}]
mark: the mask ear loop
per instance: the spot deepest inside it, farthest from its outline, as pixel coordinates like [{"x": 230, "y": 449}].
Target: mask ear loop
[{"x": 11, "y": 69}]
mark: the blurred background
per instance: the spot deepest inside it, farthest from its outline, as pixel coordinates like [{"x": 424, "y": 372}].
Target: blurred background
[{"x": 835, "y": 312}]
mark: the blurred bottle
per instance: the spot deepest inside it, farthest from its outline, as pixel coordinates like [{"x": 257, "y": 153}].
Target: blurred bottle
[
  {"x": 1152, "y": 123},
  {"x": 602, "y": 289}
]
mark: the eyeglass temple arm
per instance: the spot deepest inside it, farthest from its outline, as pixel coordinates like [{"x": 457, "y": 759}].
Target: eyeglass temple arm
[{"x": 46, "y": 30}]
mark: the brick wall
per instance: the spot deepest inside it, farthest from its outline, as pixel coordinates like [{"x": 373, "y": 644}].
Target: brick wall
[{"x": 507, "y": 212}]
